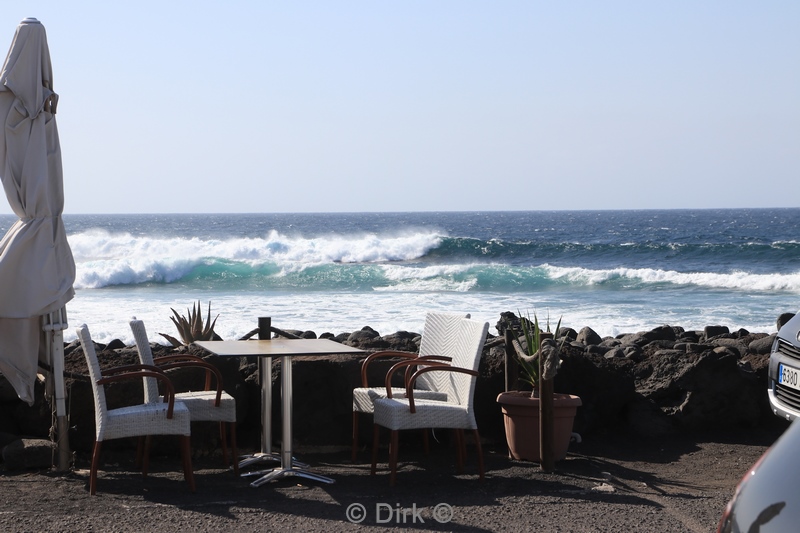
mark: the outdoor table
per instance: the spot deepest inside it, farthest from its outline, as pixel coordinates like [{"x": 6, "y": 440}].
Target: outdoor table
[{"x": 285, "y": 349}]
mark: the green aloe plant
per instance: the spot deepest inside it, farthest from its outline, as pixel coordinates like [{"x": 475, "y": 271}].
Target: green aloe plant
[
  {"x": 528, "y": 351},
  {"x": 191, "y": 327}
]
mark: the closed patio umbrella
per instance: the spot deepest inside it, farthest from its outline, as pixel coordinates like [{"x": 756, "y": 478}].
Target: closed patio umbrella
[{"x": 37, "y": 269}]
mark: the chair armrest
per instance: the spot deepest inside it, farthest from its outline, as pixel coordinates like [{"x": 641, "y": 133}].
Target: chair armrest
[
  {"x": 118, "y": 375},
  {"x": 410, "y": 369},
  {"x": 409, "y": 363},
  {"x": 380, "y": 355},
  {"x": 180, "y": 361},
  {"x": 130, "y": 368},
  {"x": 178, "y": 357},
  {"x": 418, "y": 373}
]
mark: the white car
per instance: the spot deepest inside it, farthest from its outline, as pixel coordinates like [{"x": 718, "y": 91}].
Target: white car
[
  {"x": 768, "y": 496},
  {"x": 784, "y": 371}
]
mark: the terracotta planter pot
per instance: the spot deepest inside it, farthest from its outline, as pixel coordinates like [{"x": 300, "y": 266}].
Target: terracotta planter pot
[{"x": 521, "y": 415}]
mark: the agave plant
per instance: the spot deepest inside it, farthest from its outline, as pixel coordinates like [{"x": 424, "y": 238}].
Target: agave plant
[
  {"x": 536, "y": 343},
  {"x": 191, "y": 327}
]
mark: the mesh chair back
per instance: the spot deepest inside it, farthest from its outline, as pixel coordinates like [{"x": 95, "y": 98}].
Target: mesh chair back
[
  {"x": 100, "y": 408},
  {"x": 151, "y": 394},
  {"x": 438, "y": 338},
  {"x": 467, "y": 349}
]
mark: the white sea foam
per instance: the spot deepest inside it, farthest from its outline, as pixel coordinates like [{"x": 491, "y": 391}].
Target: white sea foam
[
  {"x": 733, "y": 280},
  {"x": 104, "y": 259},
  {"x": 609, "y": 313},
  {"x": 429, "y": 285}
]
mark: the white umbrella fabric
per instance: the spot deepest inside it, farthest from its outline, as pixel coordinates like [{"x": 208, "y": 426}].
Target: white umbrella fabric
[{"x": 37, "y": 269}]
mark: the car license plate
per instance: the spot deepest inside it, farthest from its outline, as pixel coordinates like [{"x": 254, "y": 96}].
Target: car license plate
[{"x": 789, "y": 376}]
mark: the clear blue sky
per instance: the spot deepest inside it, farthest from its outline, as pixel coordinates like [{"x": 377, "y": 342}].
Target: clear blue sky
[{"x": 268, "y": 106}]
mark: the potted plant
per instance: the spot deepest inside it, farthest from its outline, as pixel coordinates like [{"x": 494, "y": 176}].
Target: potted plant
[{"x": 535, "y": 349}]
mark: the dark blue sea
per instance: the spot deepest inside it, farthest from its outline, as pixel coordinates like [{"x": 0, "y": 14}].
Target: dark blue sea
[{"x": 615, "y": 271}]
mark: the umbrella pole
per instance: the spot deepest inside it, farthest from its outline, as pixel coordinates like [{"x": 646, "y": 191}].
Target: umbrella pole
[{"x": 55, "y": 324}]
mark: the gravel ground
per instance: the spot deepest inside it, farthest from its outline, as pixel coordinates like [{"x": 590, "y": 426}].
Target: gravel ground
[{"x": 607, "y": 483}]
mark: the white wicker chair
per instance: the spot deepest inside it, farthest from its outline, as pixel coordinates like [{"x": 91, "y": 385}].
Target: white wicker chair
[
  {"x": 457, "y": 412},
  {"x": 438, "y": 341},
  {"x": 167, "y": 418},
  {"x": 206, "y": 405}
]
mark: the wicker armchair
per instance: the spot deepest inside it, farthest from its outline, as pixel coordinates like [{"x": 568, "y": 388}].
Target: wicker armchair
[
  {"x": 457, "y": 412},
  {"x": 436, "y": 346},
  {"x": 213, "y": 405},
  {"x": 163, "y": 418}
]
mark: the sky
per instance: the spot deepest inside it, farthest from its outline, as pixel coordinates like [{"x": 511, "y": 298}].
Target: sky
[{"x": 436, "y": 105}]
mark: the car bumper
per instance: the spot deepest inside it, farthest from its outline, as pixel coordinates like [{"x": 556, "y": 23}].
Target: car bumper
[{"x": 778, "y": 408}]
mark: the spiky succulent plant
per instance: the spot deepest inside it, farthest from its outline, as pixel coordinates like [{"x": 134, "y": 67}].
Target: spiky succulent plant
[
  {"x": 531, "y": 344},
  {"x": 191, "y": 327}
]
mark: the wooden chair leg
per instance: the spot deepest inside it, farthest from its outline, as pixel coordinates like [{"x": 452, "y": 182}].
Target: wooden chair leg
[
  {"x": 234, "y": 449},
  {"x": 479, "y": 449},
  {"x": 139, "y": 452},
  {"x": 459, "y": 433},
  {"x": 463, "y": 441},
  {"x": 375, "y": 438},
  {"x": 354, "y": 452},
  {"x": 393, "y": 457},
  {"x": 95, "y": 464},
  {"x": 223, "y": 440},
  {"x": 186, "y": 456},
  {"x": 146, "y": 455}
]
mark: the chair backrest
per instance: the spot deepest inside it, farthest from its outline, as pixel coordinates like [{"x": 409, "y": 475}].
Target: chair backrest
[
  {"x": 100, "y": 408},
  {"x": 151, "y": 394},
  {"x": 468, "y": 348},
  {"x": 438, "y": 338}
]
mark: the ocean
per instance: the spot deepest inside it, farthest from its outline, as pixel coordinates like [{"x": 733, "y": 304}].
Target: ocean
[{"x": 615, "y": 271}]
